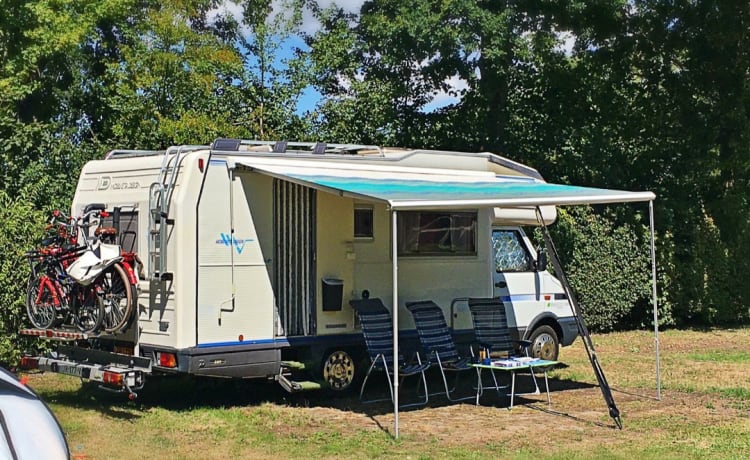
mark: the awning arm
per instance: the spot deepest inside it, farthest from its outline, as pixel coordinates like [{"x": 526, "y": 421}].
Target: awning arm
[{"x": 588, "y": 344}]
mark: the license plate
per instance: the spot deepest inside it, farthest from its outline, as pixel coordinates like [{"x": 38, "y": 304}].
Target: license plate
[{"x": 74, "y": 371}]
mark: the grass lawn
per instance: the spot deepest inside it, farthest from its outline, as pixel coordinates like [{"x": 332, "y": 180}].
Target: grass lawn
[{"x": 704, "y": 412}]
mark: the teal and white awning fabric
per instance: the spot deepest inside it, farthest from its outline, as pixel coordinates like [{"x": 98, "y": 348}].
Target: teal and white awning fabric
[{"x": 423, "y": 188}]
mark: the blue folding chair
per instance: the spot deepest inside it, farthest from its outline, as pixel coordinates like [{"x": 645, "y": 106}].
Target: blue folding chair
[
  {"x": 377, "y": 329},
  {"x": 437, "y": 343}
]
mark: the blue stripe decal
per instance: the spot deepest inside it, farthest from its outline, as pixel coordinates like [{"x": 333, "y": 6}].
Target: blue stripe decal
[
  {"x": 218, "y": 162},
  {"x": 520, "y": 298}
]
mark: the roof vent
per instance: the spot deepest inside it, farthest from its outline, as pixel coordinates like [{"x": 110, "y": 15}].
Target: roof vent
[
  {"x": 231, "y": 145},
  {"x": 279, "y": 146},
  {"x": 319, "y": 148}
]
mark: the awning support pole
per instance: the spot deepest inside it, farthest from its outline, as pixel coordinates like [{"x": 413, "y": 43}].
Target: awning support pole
[
  {"x": 656, "y": 310},
  {"x": 588, "y": 343},
  {"x": 394, "y": 227}
]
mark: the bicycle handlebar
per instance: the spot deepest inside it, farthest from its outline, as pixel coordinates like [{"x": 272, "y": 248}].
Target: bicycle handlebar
[{"x": 59, "y": 218}]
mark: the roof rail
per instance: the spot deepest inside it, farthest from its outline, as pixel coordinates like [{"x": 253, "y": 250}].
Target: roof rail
[
  {"x": 120, "y": 153},
  {"x": 185, "y": 148},
  {"x": 307, "y": 147}
]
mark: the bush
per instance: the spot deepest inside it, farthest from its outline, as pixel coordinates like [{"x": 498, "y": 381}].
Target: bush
[
  {"x": 22, "y": 225},
  {"x": 608, "y": 265}
]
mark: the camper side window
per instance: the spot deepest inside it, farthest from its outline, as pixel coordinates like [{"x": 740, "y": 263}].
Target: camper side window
[
  {"x": 363, "y": 222},
  {"x": 510, "y": 253},
  {"x": 431, "y": 233}
]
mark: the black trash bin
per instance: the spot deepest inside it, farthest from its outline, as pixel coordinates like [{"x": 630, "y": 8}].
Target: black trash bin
[{"x": 333, "y": 293}]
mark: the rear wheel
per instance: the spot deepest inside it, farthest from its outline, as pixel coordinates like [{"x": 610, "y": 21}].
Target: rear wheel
[
  {"x": 40, "y": 309},
  {"x": 90, "y": 309},
  {"x": 340, "y": 370},
  {"x": 117, "y": 294},
  {"x": 544, "y": 343}
]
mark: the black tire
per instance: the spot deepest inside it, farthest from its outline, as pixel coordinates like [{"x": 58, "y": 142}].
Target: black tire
[
  {"x": 342, "y": 370},
  {"x": 89, "y": 311},
  {"x": 117, "y": 294},
  {"x": 43, "y": 314},
  {"x": 544, "y": 343}
]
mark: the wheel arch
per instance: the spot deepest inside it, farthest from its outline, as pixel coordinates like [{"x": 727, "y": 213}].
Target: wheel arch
[{"x": 545, "y": 319}]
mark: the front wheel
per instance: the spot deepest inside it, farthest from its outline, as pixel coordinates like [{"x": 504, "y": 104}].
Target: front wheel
[
  {"x": 544, "y": 343},
  {"x": 40, "y": 308},
  {"x": 117, "y": 293}
]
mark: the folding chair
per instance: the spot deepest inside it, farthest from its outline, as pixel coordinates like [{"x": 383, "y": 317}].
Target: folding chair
[
  {"x": 493, "y": 335},
  {"x": 437, "y": 342},
  {"x": 377, "y": 328}
]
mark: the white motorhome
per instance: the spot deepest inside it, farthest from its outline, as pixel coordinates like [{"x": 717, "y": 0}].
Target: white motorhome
[{"x": 253, "y": 250}]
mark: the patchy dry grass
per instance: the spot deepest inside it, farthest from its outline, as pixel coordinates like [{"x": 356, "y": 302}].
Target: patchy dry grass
[{"x": 704, "y": 412}]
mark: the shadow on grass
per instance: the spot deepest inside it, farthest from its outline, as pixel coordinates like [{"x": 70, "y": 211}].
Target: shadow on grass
[{"x": 185, "y": 393}]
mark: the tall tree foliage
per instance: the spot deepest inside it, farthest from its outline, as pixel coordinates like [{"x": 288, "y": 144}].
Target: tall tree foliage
[
  {"x": 652, "y": 95},
  {"x": 695, "y": 61},
  {"x": 79, "y": 77}
]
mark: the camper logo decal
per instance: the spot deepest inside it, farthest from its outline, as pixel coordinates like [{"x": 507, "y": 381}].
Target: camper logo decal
[{"x": 229, "y": 241}]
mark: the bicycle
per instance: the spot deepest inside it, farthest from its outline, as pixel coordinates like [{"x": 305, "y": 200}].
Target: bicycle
[
  {"x": 99, "y": 265},
  {"x": 119, "y": 282},
  {"x": 53, "y": 297}
]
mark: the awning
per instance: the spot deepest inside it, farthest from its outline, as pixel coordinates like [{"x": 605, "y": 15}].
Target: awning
[
  {"x": 408, "y": 188},
  {"x": 404, "y": 188}
]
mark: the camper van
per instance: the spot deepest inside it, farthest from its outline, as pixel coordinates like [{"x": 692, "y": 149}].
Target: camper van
[{"x": 252, "y": 251}]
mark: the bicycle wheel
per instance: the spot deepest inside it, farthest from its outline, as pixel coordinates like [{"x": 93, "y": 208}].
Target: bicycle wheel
[
  {"x": 40, "y": 309},
  {"x": 118, "y": 298},
  {"x": 89, "y": 311}
]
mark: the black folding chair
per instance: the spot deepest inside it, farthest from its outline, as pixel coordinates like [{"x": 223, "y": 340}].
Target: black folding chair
[
  {"x": 493, "y": 335},
  {"x": 377, "y": 328}
]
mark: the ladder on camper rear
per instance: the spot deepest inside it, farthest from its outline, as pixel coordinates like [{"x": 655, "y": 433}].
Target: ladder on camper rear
[{"x": 159, "y": 222}]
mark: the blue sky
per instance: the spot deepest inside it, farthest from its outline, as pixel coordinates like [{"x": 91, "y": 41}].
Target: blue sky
[{"x": 310, "y": 97}]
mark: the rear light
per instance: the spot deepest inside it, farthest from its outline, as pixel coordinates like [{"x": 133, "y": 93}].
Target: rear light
[
  {"x": 200, "y": 164},
  {"x": 28, "y": 362},
  {"x": 113, "y": 378},
  {"x": 166, "y": 359}
]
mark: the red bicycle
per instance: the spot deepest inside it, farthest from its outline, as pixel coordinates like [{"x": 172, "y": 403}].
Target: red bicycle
[
  {"x": 53, "y": 297},
  {"x": 70, "y": 282}
]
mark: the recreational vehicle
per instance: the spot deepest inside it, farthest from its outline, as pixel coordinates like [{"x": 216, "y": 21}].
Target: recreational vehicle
[{"x": 253, "y": 250}]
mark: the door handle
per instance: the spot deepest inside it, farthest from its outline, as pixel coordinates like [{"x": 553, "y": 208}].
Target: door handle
[{"x": 501, "y": 284}]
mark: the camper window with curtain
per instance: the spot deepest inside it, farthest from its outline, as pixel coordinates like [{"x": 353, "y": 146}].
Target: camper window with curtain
[{"x": 436, "y": 233}]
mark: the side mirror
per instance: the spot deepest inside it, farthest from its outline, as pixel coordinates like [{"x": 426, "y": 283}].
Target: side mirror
[{"x": 541, "y": 260}]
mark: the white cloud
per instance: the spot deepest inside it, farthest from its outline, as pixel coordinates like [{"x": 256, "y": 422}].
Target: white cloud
[
  {"x": 310, "y": 25},
  {"x": 567, "y": 41},
  {"x": 456, "y": 87},
  {"x": 224, "y": 9}
]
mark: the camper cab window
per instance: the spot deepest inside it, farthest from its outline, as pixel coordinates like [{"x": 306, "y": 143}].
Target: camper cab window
[
  {"x": 363, "y": 222},
  {"x": 510, "y": 252},
  {"x": 435, "y": 233}
]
